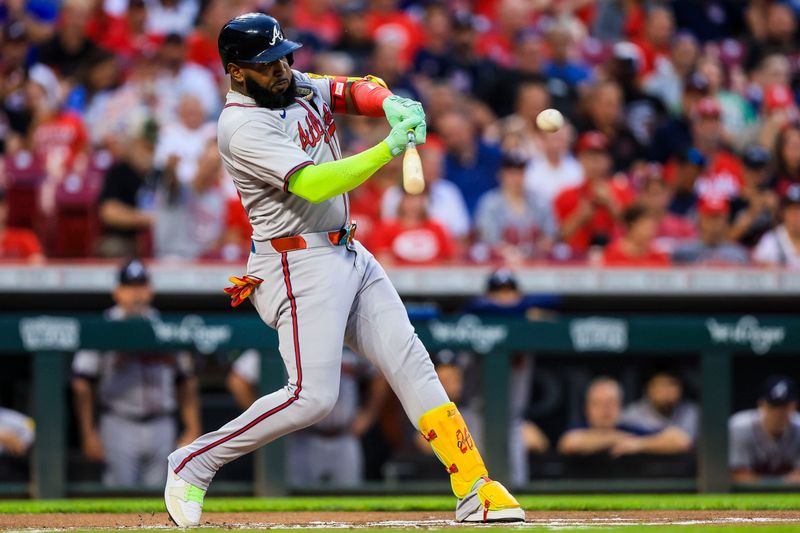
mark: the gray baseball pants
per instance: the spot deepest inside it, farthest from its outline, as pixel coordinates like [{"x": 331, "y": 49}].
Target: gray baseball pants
[{"x": 318, "y": 299}]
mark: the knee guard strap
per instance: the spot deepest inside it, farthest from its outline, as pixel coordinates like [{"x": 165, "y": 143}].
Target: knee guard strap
[{"x": 445, "y": 429}]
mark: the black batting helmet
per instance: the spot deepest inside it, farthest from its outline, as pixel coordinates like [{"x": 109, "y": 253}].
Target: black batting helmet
[{"x": 253, "y": 38}]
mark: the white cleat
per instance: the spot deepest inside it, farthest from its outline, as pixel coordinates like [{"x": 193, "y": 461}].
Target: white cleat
[
  {"x": 184, "y": 500},
  {"x": 489, "y": 502}
]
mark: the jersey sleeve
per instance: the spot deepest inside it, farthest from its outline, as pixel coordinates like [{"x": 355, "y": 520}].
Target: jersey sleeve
[
  {"x": 266, "y": 152},
  {"x": 248, "y": 366},
  {"x": 325, "y": 84},
  {"x": 86, "y": 363},
  {"x": 739, "y": 444}
]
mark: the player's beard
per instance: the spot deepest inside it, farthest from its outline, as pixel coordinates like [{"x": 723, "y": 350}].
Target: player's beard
[{"x": 266, "y": 98}]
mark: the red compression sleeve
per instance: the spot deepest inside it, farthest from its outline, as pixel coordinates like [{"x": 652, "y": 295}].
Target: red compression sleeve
[{"x": 368, "y": 98}]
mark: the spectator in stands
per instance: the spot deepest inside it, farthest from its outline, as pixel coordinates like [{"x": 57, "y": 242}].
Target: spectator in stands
[
  {"x": 387, "y": 23},
  {"x": 473, "y": 73},
  {"x": 137, "y": 394},
  {"x": 774, "y": 33},
  {"x": 671, "y": 76},
  {"x": 433, "y": 61},
  {"x": 123, "y": 33},
  {"x": 604, "y": 431},
  {"x": 636, "y": 247},
  {"x": 511, "y": 224},
  {"x": 765, "y": 442},
  {"x": 755, "y": 210},
  {"x": 182, "y": 143},
  {"x": 655, "y": 44},
  {"x": 329, "y": 452},
  {"x": 96, "y": 79},
  {"x": 779, "y": 113},
  {"x": 555, "y": 168},
  {"x": 675, "y": 136},
  {"x": 446, "y": 204},
  {"x": 354, "y": 40},
  {"x": 413, "y": 238},
  {"x": 781, "y": 246},
  {"x": 171, "y": 16},
  {"x": 189, "y": 216},
  {"x": 588, "y": 214},
  {"x": 641, "y": 111},
  {"x": 713, "y": 245},
  {"x": 662, "y": 405},
  {"x": 563, "y": 63},
  {"x": 603, "y": 106},
  {"x": 70, "y": 46},
  {"x": 123, "y": 207},
  {"x": 689, "y": 166},
  {"x": 18, "y": 244},
  {"x": 177, "y": 78},
  {"x": 517, "y": 134},
  {"x": 57, "y": 134},
  {"x": 201, "y": 43},
  {"x": 470, "y": 163},
  {"x": 16, "y": 439},
  {"x": 656, "y": 196},
  {"x": 738, "y": 116},
  {"x": 526, "y": 67},
  {"x": 786, "y": 156},
  {"x": 723, "y": 174},
  {"x": 38, "y": 18},
  {"x": 14, "y": 116}
]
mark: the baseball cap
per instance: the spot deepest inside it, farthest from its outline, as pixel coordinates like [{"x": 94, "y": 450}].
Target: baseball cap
[
  {"x": 627, "y": 51},
  {"x": 713, "y": 205},
  {"x": 133, "y": 273},
  {"x": 692, "y": 156},
  {"x": 778, "y": 96},
  {"x": 706, "y": 107},
  {"x": 591, "y": 140},
  {"x": 791, "y": 195},
  {"x": 502, "y": 278},
  {"x": 696, "y": 82},
  {"x": 755, "y": 156},
  {"x": 779, "y": 390},
  {"x": 511, "y": 160}
]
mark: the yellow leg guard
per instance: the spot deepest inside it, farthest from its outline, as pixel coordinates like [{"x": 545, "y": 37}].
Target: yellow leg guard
[{"x": 445, "y": 429}]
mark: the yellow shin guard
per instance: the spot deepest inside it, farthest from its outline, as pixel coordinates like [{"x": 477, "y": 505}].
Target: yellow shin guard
[{"x": 445, "y": 429}]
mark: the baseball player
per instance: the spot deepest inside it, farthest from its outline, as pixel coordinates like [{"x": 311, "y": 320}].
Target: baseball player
[
  {"x": 138, "y": 395},
  {"x": 307, "y": 276}
]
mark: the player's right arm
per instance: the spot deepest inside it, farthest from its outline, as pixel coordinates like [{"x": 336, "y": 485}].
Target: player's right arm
[{"x": 85, "y": 367}]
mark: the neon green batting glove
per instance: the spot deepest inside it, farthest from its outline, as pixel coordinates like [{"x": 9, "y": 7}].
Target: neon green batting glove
[
  {"x": 398, "y": 137},
  {"x": 398, "y": 109}
]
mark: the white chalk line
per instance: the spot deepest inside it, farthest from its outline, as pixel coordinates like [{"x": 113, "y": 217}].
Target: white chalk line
[{"x": 547, "y": 523}]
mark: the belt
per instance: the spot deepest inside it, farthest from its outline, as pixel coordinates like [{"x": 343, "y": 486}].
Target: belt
[
  {"x": 306, "y": 240},
  {"x": 142, "y": 419}
]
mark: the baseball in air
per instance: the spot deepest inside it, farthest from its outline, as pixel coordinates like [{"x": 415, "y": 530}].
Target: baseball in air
[{"x": 550, "y": 120}]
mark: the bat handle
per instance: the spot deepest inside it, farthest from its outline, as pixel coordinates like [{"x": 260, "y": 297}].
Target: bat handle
[{"x": 412, "y": 139}]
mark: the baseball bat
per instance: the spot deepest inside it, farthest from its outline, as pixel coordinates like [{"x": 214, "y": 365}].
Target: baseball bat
[{"x": 413, "y": 180}]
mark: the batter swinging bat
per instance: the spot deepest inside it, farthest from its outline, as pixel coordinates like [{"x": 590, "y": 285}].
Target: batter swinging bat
[{"x": 413, "y": 180}]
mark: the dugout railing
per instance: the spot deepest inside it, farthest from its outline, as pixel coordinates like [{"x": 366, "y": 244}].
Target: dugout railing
[{"x": 716, "y": 340}]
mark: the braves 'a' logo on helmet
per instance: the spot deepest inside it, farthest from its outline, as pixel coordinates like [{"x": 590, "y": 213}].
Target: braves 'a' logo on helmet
[{"x": 277, "y": 35}]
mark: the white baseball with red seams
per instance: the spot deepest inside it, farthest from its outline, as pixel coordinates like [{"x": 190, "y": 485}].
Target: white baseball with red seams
[{"x": 550, "y": 120}]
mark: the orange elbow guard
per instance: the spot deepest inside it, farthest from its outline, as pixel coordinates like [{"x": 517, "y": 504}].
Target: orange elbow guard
[{"x": 368, "y": 97}]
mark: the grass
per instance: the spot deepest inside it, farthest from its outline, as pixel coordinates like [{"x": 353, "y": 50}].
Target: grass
[{"x": 631, "y": 502}]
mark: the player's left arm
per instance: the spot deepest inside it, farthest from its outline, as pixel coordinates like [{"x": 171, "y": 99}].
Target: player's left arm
[{"x": 370, "y": 96}]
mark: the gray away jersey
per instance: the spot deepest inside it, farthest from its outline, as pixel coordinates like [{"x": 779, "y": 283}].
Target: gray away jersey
[{"x": 261, "y": 148}]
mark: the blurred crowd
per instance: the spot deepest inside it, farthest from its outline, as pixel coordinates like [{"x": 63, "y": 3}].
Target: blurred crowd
[{"x": 682, "y": 141}]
